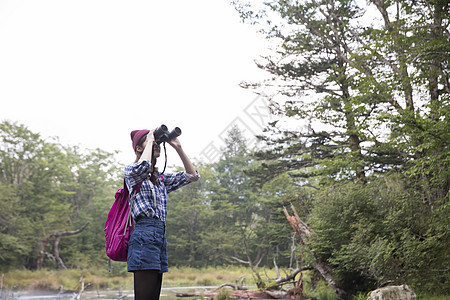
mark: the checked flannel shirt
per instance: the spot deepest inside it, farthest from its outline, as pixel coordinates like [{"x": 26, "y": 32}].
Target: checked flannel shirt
[{"x": 144, "y": 202}]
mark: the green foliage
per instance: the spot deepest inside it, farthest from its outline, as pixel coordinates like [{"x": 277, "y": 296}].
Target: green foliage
[
  {"x": 12, "y": 248},
  {"x": 389, "y": 228},
  {"x": 367, "y": 164},
  {"x": 223, "y": 218},
  {"x": 370, "y": 101},
  {"x": 48, "y": 188},
  {"x": 380, "y": 232}
]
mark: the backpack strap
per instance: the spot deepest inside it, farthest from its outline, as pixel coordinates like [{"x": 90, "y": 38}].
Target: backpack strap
[{"x": 136, "y": 189}]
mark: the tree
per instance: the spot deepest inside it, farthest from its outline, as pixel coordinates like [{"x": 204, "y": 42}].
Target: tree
[
  {"x": 96, "y": 176},
  {"x": 217, "y": 209},
  {"x": 188, "y": 216},
  {"x": 369, "y": 99},
  {"x": 351, "y": 81},
  {"x": 34, "y": 170},
  {"x": 13, "y": 248},
  {"x": 50, "y": 191},
  {"x": 224, "y": 218}
]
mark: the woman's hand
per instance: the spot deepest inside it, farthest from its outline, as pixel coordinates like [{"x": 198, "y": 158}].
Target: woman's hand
[{"x": 175, "y": 143}]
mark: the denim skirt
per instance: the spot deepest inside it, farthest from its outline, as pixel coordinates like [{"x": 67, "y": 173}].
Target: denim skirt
[{"x": 147, "y": 249}]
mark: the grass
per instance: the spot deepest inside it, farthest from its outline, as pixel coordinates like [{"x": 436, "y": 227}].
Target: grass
[
  {"x": 119, "y": 279},
  {"x": 53, "y": 280},
  {"x": 428, "y": 297},
  {"x": 206, "y": 276}
]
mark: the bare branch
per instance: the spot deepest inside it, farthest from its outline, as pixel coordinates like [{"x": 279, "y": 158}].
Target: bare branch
[
  {"x": 65, "y": 233},
  {"x": 55, "y": 243}
]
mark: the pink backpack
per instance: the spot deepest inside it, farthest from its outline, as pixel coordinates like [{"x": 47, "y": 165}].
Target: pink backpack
[{"x": 119, "y": 225}]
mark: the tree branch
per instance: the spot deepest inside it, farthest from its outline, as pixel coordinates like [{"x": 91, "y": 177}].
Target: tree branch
[{"x": 58, "y": 236}]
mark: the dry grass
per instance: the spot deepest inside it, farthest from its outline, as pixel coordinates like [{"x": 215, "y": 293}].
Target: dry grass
[
  {"x": 68, "y": 280},
  {"x": 205, "y": 276},
  {"x": 101, "y": 279}
]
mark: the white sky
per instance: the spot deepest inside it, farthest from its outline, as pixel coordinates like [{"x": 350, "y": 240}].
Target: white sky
[{"x": 90, "y": 71}]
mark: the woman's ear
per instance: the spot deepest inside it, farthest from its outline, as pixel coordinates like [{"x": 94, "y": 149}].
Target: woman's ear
[{"x": 139, "y": 149}]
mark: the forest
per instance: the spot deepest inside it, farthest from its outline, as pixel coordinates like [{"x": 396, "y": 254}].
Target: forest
[{"x": 359, "y": 150}]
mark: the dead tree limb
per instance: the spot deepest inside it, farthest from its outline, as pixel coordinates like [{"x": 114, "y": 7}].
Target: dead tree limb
[
  {"x": 57, "y": 236},
  {"x": 289, "y": 276},
  {"x": 253, "y": 265},
  {"x": 238, "y": 286},
  {"x": 303, "y": 232}
]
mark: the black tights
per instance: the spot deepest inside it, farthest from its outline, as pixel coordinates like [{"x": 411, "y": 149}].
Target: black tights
[{"x": 147, "y": 284}]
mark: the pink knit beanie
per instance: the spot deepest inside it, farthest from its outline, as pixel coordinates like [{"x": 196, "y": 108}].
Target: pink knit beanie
[{"x": 136, "y": 135}]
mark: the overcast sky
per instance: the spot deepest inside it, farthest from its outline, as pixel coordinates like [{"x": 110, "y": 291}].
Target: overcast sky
[{"x": 90, "y": 71}]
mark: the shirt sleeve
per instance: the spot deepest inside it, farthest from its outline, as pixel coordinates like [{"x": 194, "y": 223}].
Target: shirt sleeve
[
  {"x": 136, "y": 173},
  {"x": 174, "y": 181}
]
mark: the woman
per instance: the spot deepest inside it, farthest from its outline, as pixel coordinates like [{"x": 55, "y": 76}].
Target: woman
[{"x": 147, "y": 256}]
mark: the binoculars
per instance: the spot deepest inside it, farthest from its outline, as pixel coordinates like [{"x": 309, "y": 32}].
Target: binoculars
[{"x": 161, "y": 134}]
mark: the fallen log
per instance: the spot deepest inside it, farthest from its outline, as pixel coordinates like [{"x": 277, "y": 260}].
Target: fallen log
[
  {"x": 245, "y": 294},
  {"x": 184, "y": 294}
]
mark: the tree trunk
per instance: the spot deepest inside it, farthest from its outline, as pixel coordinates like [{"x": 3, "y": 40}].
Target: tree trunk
[{"x": 303, "y": 231}]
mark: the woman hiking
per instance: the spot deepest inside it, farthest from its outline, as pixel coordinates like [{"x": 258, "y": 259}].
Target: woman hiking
[{"x": 147, "y": 255}]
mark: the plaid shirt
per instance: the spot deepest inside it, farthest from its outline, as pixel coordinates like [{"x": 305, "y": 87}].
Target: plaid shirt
[{"x": 145, "y": 202}]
